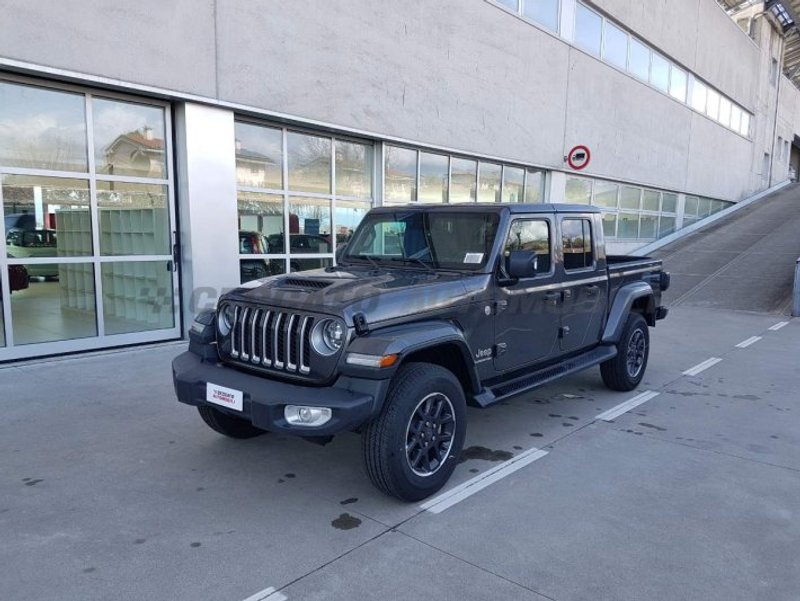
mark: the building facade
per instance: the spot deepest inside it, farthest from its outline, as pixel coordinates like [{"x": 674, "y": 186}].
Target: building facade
[{"x": 154, "y": 155}]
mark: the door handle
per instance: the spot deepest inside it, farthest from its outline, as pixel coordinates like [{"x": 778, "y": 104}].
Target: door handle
[
  {"x": 592, "y": 289},
  {"x": 567, "y": 294}
]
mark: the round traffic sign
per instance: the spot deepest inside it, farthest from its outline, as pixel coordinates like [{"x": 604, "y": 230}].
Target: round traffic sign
[{"x": 578, "y": 158}]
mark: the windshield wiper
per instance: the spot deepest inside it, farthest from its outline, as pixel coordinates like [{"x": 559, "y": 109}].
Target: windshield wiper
[{"x": 427, "y": 266}]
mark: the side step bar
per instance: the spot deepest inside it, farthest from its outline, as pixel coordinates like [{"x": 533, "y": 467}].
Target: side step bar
[{"x": 531, "y": 381}]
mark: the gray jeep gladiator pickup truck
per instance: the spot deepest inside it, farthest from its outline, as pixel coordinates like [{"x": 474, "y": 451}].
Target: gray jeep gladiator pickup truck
[{"x": 429, "y": 308}]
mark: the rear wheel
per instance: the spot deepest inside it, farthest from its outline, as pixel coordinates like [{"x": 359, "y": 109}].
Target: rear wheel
[
  {"x": 234, "y": 427},
  {"x": 411, "y": 449},
  {"x": 625, "y": 371}
]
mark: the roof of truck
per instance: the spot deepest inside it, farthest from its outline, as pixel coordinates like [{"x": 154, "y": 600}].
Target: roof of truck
[{"x": 481, "y": 207}]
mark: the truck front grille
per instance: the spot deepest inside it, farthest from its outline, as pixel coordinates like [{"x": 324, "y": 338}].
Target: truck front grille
[{"x": 271, "y": 339}]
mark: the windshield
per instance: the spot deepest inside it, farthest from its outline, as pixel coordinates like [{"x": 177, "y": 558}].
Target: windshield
[{"x": 441, "y": 240}]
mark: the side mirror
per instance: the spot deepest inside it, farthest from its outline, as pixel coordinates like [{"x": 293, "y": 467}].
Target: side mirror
[{"x": 522, "y": 264}]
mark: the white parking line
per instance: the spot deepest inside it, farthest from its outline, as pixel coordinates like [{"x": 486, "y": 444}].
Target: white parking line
[
  {"x": 748, "y": 342},
  {"x": 779, "y": 325},
  {"x": 458, "y": 493},
  {"x": 615, "y": 412},
  {"x": 268, "y": 594},
  {"x": 693, "y": 371}
]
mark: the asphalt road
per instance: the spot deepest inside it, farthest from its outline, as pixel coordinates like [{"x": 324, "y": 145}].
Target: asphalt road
[{"x": 109, "y": 489}]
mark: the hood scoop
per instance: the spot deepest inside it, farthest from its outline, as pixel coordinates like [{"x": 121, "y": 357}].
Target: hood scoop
[{"x": 306, "y": 284}]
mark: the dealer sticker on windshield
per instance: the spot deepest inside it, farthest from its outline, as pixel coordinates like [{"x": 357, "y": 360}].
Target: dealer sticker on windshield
[
  {"x": 473, "y": 258},
  {"x": 225, "y": 397}
]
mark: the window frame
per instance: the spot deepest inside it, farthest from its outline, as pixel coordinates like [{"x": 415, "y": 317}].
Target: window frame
[{"x": 550, "y": 230}]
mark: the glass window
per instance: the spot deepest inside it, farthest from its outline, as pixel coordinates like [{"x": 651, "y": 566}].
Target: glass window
[
  {"x": 400, "y": 175},
  {"x": 260, "y": 223},
  {"x": 257, "y": 268},
  {"x": 348, "y": 215},
  {"x": 578, "y": 190},
  {"x": 651, "y": 200},
  {"x": 605, "y": 194},
  {"x": 576, "y": 242},
  {"x": 534, "y": 186},
  {"x": 259, "y": 156},
  {"x": 150, "y": 307},
  {"x": 532, "y": 235},
  {"x": 666, "y": 226},
  {"x": 699, "y": 94},
  {"x": 648, "y": 226},
  {"x": 308, "y": 264},
  {"x": 691, "y": 205},
  {"x": 659, "y": 72},
  {"x": 513, "y": 182},
  {"x": 60, "y": 309},
  {"x": 615, "y": 45},
  {"x": 54, "y": 210},
  {"x": 725, "y": 111},
  {"x": 309, "y": 226},
  {"x": 42, "y": 129},
  {"x": 639, "y": 60},
  {"x": 744, "y": 128},
  {"x": 129, "y": 138},
  {"x": 628, "y": 226},
  {"x": 610, "y": 225},
  {"x": 353, "y": 169},
  {"x": 736, "y": 118},
  {"x": 133, "y": 219},
  {"x": 489, "y": 182},
  {"x": 677, "y": 83},
  {"x": 309, "y": 159},
  {"x": 18, "y": 280},
  {"x": 669, "y": 202},
  {"x": 630, "y": 198},
  {"x": 463, "y": 178},
  {"x": 433, "y": 177},
  {"x": 512, "y": 4},
  {"x": 704, "y": 208},
  {"x": 712, "y": 106},
  {"x": 588, "y": 26},
  {"x": 544, "y": 12}
]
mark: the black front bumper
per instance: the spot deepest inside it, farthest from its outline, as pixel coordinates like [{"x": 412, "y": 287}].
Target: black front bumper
[{"x": 352, "y": 401}]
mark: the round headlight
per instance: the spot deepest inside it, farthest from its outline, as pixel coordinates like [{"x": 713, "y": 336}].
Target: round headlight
[
  {"x": 226, "y": 319},
  {"x": 328, "y": 337}
]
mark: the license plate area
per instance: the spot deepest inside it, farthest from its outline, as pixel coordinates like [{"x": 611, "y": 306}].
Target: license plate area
[{"x": 224, "y": 397}]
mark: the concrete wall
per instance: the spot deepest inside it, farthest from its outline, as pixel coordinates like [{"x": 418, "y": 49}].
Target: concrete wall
[{"x": 461, "y": 74}]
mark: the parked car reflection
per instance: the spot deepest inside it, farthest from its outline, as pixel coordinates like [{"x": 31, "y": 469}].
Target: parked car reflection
[{"x": 34, "y": 244}]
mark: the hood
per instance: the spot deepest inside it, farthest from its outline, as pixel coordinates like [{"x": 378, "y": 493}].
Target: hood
[{"x": 379, "y": 294}]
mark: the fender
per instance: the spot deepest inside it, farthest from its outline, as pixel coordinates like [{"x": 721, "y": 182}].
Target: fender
[
  {"x": 404, "y": 340},
  {"x": 621, "y": 308}
]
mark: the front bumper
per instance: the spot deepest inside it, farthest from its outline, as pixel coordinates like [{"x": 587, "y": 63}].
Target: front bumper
[{"x": 353, "y": 401}]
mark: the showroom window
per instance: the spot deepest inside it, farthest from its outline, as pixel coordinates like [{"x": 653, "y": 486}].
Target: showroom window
[
  {"x": 315, "y": 188},
  {"x": 88, "y": 219}
]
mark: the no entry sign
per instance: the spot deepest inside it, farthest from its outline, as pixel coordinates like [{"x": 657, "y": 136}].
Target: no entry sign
[{"x": 578, "y": 158}]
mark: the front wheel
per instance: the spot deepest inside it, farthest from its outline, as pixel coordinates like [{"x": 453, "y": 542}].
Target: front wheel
[
  {"x": 625, "y": 371},
  {"x": 411, "y": 449}
]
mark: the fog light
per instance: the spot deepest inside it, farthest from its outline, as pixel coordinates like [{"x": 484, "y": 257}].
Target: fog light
[{"x": 312, "y": 417}]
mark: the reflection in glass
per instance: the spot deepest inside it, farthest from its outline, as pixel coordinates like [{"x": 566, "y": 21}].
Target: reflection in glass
[
  {"x": 255, "y": 269},
  {"x": 534, "y": 186},
  {"x": 348, "y": 215},
  {"x": 512, "y": 4},
  {"x": 669, "y": 202},
  {"x": 578, "y": 190},
  {"x": 400, "y": 175},
  {"x": 639, "y": 60},
  {"x": 129, "y": 138},
  {"x": 725, "y": 111},
  {"x": 650, "y": 200},
  {"x": 677, "y": 83},
  {"x": 615, "y": 45},
  {"x": 489, "y": 182},
  {"x": 353, "y": 169},
  {"x": 137, "y": 296},
  {"x": 712, "y": 106},
  {"x": 260, "y": 223},
  {"x": 704, "y": 208},
  {"x": 309, "y": 159},
  {"x": 699, "y": 94},
  {"x": 544, "y": 12},
  {"x": 259, "y": 154},
  {"x": 309, "y": 264},
  {"x": 628, "y": 225},
  {"x": 736, "y": 118},
  {"x": 463, "y": 178},
  {"x": 42, "y": 129},
  {"x": 48, "y": 311},
  {"x": 610, "y": 225},
  {"x": 513, "y": 184},
  {"x": 54, "y": 213},
  {"x": 605, "y": 194},
  {"x": 629, "y": 198},
  {"x": 133, "y": 219},
  {"x": 666, "y": 226},
  {"x": 588, "y": 25},
  {"x": 744, "y": 128},
  {"x": 659, "y": 72},
  {"x": 648, "y": 227},
  {"x": 433, "y": 177},
  {"x": 20, "y": 274},
  {"x": 309, "y": 226},
  {"x": 691, "y": 205}
]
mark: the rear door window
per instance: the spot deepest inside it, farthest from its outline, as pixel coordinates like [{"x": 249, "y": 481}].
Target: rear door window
[{"x": 576, "y": 240}]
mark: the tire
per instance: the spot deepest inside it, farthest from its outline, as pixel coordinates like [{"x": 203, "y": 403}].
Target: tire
[
  {"x": 625, "y": 371},
  {"x": 234, "y": 427},
  {"x": 405, "y": 456}
]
